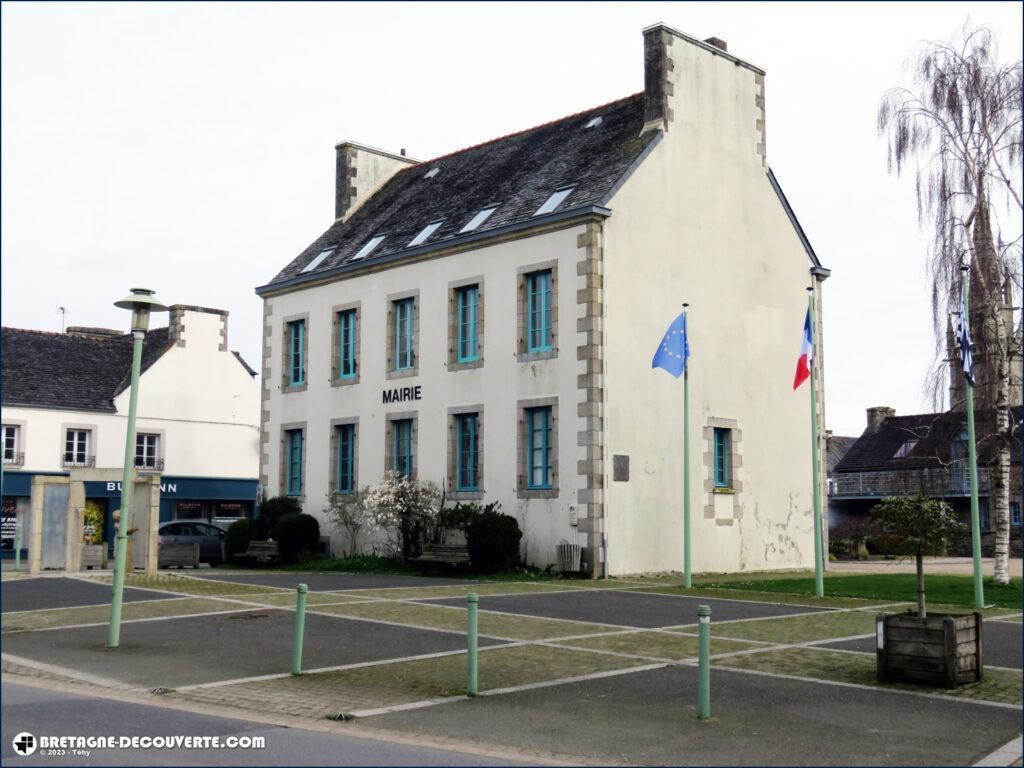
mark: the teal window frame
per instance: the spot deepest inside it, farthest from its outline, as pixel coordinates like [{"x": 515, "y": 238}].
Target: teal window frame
[
  {"x": 404, "y": 352},
  {"x": 722, "y": 449},
  {"x": 346, "y": 477},
  {"x": 539, "y": 336},
  {"x": 402, "y": 454},
  {"x": 467, "y": 452},
  {"x": 347, "y": 364},
  {"x": 296, "y": 353},
  {"x": 294, "y": 458},
  {"x": 467, "y": 311},
  {"x": 539, "y": 465}
]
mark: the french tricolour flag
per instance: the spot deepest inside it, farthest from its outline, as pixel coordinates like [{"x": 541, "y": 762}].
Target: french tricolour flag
[{"x": 803, "y": 365}]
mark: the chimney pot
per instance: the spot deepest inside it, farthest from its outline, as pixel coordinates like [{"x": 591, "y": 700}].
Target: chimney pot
[
  {"x": 877, "y": 415},
  {"x": 717, "y": 42}
]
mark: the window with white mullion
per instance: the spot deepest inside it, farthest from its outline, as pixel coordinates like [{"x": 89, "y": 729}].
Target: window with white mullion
[
  {"x": 76, "y": 447},
  {"x": 147, "y": 450},
  {"x": 10, "y": 435}
]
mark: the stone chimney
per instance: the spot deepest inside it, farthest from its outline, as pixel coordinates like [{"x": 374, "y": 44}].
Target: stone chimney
[
  {"x": 87, "y": 332},
  {"x": 360, "y": 171},
  {"x": 198, "y": 327},
  {"x": 877, "y": 415},
  {"x": 658, "y": 66},
  {"x": 717, "y": 42}
]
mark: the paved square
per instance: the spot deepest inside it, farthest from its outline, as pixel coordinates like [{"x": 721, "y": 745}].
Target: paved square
[
  {"x": 203, "y": 649},
  {"x": 629, "y": 609},
  {"x": 54, "y": 592},
  {"x": 328, "y": 581}
]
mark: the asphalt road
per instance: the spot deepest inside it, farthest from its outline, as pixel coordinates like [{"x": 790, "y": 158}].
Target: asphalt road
[
  {"x": 45, "y": 712},
  {"x": 328, "y": 582},
  {"x": 54, "y": 592}
]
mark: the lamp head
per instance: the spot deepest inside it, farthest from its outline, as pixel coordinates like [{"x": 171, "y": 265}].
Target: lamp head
[{"x": 141, "y": 303}]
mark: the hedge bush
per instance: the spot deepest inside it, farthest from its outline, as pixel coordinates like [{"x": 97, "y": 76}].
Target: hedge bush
[
  {"x": 493, "y": 542},
  {"x": 239, "y": 534},
  {"x": 297, "y": 536},
  {"x": 270, "y": 511}
]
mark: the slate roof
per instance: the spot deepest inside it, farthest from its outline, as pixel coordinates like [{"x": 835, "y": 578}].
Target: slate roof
[
  {"x": 836, "y": 447},
  {"x": 60, "y": 370},
  {"x": 934, "y": 433},
  {"x": 517, "y": 172}
]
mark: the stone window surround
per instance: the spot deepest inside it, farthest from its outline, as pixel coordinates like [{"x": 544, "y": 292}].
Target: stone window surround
[
  {"x": 522, "y": 491},
  {"x": 389, "y": 362},
  {"x": 332, "y": 482},
  {"x": 735, "y": 488},
  {"x": 92, "y": 441},
  {"x": 453, "y": 324},
  {"x": 336, "y": 343},
  {"x": 453, "y": 448},
  {"x": 284, "y": 429},
  {"x": 161, "y": 441},
  {"x": 389, "y": 440},
  {"x": 286, "y": 386},
  {"x": 523, "y": 321}
]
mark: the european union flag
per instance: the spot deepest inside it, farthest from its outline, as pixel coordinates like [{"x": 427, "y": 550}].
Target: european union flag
[{"x": 674, "y": 348}]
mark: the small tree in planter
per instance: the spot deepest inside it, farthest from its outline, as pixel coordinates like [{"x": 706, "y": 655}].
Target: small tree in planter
[
  {"x": 915, "y": 647},
  {"x": 348, "y": 512}
]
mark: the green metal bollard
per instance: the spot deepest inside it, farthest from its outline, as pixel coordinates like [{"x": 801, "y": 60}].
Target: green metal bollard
[
  {"x": 703, "y": 662},
  {"x": 471, "y": 609},
  {"x": 300, "y": 627}
]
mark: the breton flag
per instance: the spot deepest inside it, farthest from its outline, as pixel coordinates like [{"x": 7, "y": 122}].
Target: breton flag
[
  {"x": 803, "y": 365},
  {"x": 963, "y": 340},
  {"x": 674, "y": 348}
]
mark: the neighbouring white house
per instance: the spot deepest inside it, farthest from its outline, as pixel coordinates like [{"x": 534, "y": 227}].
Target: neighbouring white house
[
  {"x": 65, "y": 404},
  {"x": 486, "y": 319}
]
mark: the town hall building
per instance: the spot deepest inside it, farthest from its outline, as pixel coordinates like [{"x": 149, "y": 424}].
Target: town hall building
[{"x": 486, "y": 320}]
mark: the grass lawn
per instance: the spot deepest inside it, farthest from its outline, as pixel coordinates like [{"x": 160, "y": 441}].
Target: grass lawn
[{"x": 940, "y": 588}]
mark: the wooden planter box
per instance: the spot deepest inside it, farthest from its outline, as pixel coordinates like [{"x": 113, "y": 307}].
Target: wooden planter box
[
  {"x": 92, "y": 555},
  {"x": 942, "y": 650}
]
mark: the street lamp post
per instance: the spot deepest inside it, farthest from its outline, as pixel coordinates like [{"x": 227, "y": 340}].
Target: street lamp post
[{"x": 141, "y": 303}]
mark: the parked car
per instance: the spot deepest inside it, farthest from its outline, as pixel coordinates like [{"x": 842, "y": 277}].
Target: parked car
[{"x": 210, "y": 538}]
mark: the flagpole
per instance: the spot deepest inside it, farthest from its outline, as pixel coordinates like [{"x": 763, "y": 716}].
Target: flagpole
[
  {"x": 972, "y": 455},
  {"x": 819, "y": 575},
  {"x": 687, "y": 575}
]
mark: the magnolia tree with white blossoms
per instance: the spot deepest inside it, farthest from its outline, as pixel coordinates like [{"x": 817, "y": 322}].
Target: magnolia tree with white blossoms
[{"x": 403, "y": 508}]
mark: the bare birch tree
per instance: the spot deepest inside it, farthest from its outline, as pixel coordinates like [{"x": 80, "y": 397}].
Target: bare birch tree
[{"x": 957, "y": 128}]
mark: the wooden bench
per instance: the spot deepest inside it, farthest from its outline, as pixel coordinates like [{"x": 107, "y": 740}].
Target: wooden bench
[
  {"x": 178, "y": 555},
  {"x": 261, "y": 552},
  {"x": 453, "y": 554}
]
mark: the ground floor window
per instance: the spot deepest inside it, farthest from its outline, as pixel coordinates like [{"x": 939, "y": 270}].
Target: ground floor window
[
  {"x": 1014, "y": 513},
  {"x": 401, "y": 451},
  {"x": 722, "y": 449},
  {"x": 983, "y": 514},
  {"x": 538, "y": 460},
  {"x": 346, "y": 481},
  {"x": 293, "y": 441},
  {"x": 467, "y": 468}
]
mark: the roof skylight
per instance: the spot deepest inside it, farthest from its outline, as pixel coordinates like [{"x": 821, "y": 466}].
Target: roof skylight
[
  {"x": 594, "y": 122},
  {"x": 905, "y": 449},
  {"x": 554, "y": 201},
  {"x": 368, "y": 248},
  {"x": 479, "y": 219},
  {"x": 318, "y": 260},
  {"x": 431, "y": 173},
  {"x": 426, "y": 232}
]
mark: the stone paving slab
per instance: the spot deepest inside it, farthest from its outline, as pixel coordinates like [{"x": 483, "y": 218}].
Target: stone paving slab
[
  {"x": 632, "y": 609},
  {"x": 648, "y": 718},
  {"x": 1001, "y": 644},
  {"x": 55, "y": 592},
  {"x": 205, "y": 649},
  {"x": 334, "y": 582}
]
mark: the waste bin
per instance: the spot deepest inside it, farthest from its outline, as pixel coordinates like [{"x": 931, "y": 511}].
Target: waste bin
[{"x": 569, "y": 557}]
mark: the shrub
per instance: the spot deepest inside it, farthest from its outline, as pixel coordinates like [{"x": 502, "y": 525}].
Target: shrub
[
  {"x": 297, "y": 536},
  {"x": 270, "y": 510},
  {"x": 493, "y": 542},
  {"x": 239, "y": 534},
  {"x": 404, "y": 508},
  {"x": 347, "y": 512}
]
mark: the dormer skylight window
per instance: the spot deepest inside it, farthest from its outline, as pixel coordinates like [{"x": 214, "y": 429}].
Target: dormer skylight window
[
  {"x": 425, "y": 233},
  {"x": 479, "y": 219},
  {"x": 594, "y": 122},
  {"x": 905, "y": 449},
  {"x": 367, "y": 249},
  {"x": 318, "y": 260},
  {"x": 554, "y": 201},
  {"x": 431, "y": 173}
]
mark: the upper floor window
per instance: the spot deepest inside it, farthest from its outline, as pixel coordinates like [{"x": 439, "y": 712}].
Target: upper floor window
[
  {"x": 722, "y": 449},
  {"x": 147, "y": 451},
  {"x": 467, "y": 300},
  {"x": 296, "y": 352},
  {"x": 76, "y": 448},
  {"x": 538, "y": 310},
  {"x": 347, "y": 344},
  {"x": 402, "y": 456},
  {"x": 346, "y": 480},
  {"x": 538, "y": 447},
  {"x": 467, "y": 464},
  {"x": 403, "y": 353},
  {"x": 13, "y": 453},
  {"x": 293, "y": 460}
]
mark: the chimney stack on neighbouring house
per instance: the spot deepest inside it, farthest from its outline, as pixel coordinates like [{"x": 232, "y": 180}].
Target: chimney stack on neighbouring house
[
  {"x": 88, "y": 332},
  {"x": 658, "y": 67},
  {"x": 360, "y": 171},
  {"x": 198, "y": 327},
  {"x": 717, "y": 42},
  {"x": 877, "y": 415}
]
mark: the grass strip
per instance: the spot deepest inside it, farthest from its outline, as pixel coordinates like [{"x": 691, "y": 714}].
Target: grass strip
[
  {"x": 660, "y": 645},
  {"x": 97, "y": 614}
]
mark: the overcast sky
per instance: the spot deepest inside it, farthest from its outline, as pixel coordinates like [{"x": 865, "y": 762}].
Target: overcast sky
[{"x": 190, "y": 148}]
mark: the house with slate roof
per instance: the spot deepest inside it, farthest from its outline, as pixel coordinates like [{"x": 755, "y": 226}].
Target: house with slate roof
[
  {"x": 486, "y": 320},
  {"x": 65, "y": 405}
]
